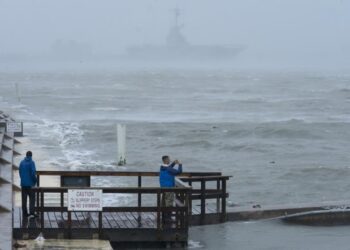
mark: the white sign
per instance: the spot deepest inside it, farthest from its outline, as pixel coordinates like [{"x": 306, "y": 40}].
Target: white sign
[
  {"x": 13, "y": 127},
  {"x": 85, "y": 200}
]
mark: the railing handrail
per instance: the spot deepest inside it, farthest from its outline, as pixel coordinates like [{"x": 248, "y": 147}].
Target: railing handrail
[
  {"x": 184, "y": 187},
  {"x": 181, "y": 209},
  {"x": 180, "y": 183},
  {"x": 119, "y": 173},
  {"x": 114, "y": 189},
  {"x": 206, "y": 178}
]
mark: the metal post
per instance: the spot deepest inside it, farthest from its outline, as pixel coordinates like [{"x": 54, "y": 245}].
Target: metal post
[
  {"x": 223, "y": 200},
  {"x": 42, "y": 210},
  {"x": 69, "y": 224},
  {"x": 62, "y": 200},
  {"x": 37, "y": 193},
  {"x": 183, "y": 212},
  {"x": 202, "y": 201},
  {"x": 139, "y": 194},
  {"x": 190, "y": 199},
  {"x": 158, "y": 210},
  {"x": 139, "y": 199},
  {"x": 100, "y": 224},
  {"x": 188, "y": 211},
  {"x": 218, "y": 199}
]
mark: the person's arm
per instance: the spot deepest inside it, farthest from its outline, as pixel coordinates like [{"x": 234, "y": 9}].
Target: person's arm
[
  {"x": 33, "y": 173},
  {"x": 180, "y": 168},
  {"x": 171, "y": 165},
  {"x": 174, "y": 171}
]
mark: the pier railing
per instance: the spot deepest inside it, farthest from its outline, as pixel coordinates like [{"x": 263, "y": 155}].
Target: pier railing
[
  {"x": 191, "y": 187},
  {"x": 180, "y": 210},
  {"x": 203, "y": 193}
]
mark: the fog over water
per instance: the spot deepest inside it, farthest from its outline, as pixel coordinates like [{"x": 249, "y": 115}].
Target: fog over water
[
  {"x": 259, "y": 90},
  {"x": 273, "y": 33}
]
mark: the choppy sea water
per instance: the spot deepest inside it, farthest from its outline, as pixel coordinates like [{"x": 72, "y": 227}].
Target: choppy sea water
[{"x": 282, "y": 135}]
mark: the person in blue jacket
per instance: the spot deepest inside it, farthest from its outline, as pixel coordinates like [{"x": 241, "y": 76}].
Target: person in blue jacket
[
  {"x": 167, "y": 180},
  {"x": 27, "y": 173}
]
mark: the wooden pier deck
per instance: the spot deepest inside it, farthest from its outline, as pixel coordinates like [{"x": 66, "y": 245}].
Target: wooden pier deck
[
  {"x": 140, "y": 223},
  {"x": 117, "y": 220}
]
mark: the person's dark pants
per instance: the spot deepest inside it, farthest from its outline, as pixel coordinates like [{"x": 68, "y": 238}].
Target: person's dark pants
[{"x": 28, "y": 191}]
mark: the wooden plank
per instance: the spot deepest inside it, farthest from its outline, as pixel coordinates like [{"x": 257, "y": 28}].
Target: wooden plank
[
  {"x": 209, "y": 196},
  {"x": 149, "y": 220},
  {"x": 119, "y": 222},
  {"x": 137, "y": 218},
  {"x": 126, "y": 220},
  {"x": 121, "y": 173},
  {"x": 206, "y": 178},
  {"x": 61, "y": 219},
  {"x": 47, "y": 221},
  {"x": 125, "y": 190},
  {"x": 52, "y": 219},
  {"x": 93, "y": 219},
  {"x": 132, "y": 220},
  {"x": 75, "y": 220},
  {"x": 87, "y": 219},
  {"x": 195, "y": 210},
  {"x": 57, "y": 219},
  {"x": 121, "y": 217},
  {"x": 105, "y": 216}
]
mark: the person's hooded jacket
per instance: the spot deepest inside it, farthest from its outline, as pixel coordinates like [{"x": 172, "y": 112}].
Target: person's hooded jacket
[
  {"x": 27, "y": 172},
  {"x": 167, "y": 174}
]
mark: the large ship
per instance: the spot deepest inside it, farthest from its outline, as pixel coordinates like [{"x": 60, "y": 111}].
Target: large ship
[{"x": 177, "y": 48}]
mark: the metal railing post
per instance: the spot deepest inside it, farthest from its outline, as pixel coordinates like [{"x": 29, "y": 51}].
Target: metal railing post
[
  {"x": 139, "y": 199},
  {"x": 223, "y": 201},
  {"x": 37, "y": 193},
  {"x": 202, "y": 216},
  {"x": 42, "y": 210},
  {"x": 69, "y": 224},
  {"x": 158, "y": 210},
  {"x": 100, "y": 224},
  {"x": 218, "y": 199}
]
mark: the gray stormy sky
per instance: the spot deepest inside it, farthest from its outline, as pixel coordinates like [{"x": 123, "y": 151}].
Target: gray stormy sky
[{"x": 310, "y": 32}]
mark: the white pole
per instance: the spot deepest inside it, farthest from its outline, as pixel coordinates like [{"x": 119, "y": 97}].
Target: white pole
[{"x": 121, "y": 140}]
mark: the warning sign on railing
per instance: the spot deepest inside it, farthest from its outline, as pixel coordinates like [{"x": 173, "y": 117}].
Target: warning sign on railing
[
  {"x": 14, "y": 127},
  {"x": 85, "y": 200}
]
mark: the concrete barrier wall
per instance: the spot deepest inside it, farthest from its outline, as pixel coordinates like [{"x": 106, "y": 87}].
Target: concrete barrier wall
[{"x": 7, "y": 153}]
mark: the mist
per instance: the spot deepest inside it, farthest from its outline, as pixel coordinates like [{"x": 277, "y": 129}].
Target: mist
[{"x": 270, "y": 33}]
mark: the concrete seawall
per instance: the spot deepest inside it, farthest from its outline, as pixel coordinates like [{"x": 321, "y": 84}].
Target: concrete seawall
[
  {"x": 276, "y": 211},
  {"x": 7, "y": 154}
]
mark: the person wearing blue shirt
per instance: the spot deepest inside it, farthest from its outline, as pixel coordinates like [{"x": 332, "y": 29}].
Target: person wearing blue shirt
[
  {"x": 27, "y": 173},
  {"x": 167, "y": 180}
]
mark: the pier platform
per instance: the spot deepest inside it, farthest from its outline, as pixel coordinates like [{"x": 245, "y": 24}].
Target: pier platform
[{"x": 144, "y": 221}]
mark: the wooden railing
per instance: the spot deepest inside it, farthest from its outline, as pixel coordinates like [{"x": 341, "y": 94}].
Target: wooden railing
[
  {"x": 186, "y": 182},
  {"x": 181, "y": 210},
  {"x": 137, "y": 174},
  {"x": 203, "y": 193}
]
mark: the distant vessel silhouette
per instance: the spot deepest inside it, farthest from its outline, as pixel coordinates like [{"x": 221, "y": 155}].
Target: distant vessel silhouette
[{"x": 177, "y": 48}]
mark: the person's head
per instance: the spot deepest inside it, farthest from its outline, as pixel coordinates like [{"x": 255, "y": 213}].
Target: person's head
[
  {"x": 166, "y": 159},
  {"x": 29, "y": 154}
]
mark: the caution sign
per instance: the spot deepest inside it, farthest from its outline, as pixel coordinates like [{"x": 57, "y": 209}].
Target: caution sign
[
  {"x": 14, "y": 127},
  {"x": 85, "y": 200}
]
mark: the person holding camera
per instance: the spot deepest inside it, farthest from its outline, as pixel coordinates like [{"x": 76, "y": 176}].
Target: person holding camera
[{"x": 167, "y": 180}]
